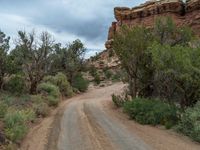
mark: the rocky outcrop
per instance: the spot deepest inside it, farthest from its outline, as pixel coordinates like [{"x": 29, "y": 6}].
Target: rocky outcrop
[
  {"x": 105, "y": 59},
  {"x": 182, "y": 13}
]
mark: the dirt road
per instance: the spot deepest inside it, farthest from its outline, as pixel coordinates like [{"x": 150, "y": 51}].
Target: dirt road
[{"x": 90, "y": 122}]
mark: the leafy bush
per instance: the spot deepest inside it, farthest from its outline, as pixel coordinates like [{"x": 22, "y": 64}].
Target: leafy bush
[
  {"x": 108, "y": 74},
  {"x": 189, "y": 123},
  {"x": 93, "y": 71},
  {"x": 16, "y": 84},
  {"x": 116, "y": 77},
  {"x": 118, "y": 100},
  {"x": 49, "y": 89},
  {"x": 3, "y": 109},
  {"x": 97, "y": 79},
  {"x": 41, "y": 109},
  {"x": 52, "y": 101},
  {"x": 154, "y": 112},
  {"x": 37, "y": 99},
  {"x": 8, "y": 99},
  {"x": 61, "y": 81},
  {"x": 177, "y": 69},
  {"x": 63, "y": 84},
  {"x": 80, "y": 83}
]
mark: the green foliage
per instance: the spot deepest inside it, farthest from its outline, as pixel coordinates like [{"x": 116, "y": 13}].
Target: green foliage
[
  {"x": 33, "y": 58},
  {"x": 15, "y": 122},
  {"x": 7, "y": 99},
  {"x": 3, "y": 109},
  {"x": 69, "y": 59},
  {"x": 108, "y": 74},
  {"x": 53, "y": 101},
  {"x": 160, "y": 62},
  {"x": 189, "y": 123},
  {"x": 4, "y": 47},
  {"x": 49, "y": 89},
  {"x": 154, "y": 112},
  {"x": 63, "y": 84},
  {"x": 16, "y": 84},
  {"x": 61, "y": 81},
  {"x": 16, "y": 133},
  {"x": 80, "y": 83},
  {"x": 116, "y": 77},
  {"x": 131, "y": 46},
  {"x": 41, "y": 109},
  {"x": 177, "y": 69},
  {"x": 166, "y": 32},
  {"x": 118, "y": 100},
  {"x": 14, "y": 117},
  {"x": 93, "y": 71},
  {"x": 97, "y": 79}
]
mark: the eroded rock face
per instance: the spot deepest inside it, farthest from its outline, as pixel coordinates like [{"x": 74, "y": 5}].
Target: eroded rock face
[{"x": 182, "y": 13}]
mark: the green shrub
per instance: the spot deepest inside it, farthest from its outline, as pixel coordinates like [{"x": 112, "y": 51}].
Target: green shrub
[
  {"x": 16, "y": 133},
  {"x": 28, "y": 115},
  {"x": 118, "y": 100},
  {"x": 61, "y": 81},
  {"x": 80, "y": 83},
  {"x": 8, "y": 99},
  {"x": 52, "y": 101},
  {"x": 37, "y": 99},
  {"x": 3, "y": 109},
  {"x": 15, "y": 123},
  {"x": 154, "y": 112},
  {"x": 16, "y": 84},
  {"x": 49, "y": 89},
  {"x": 189, "y": 123},
  {"x": 93, "y": 71},
  {"x": 41, "y": 109},
  {"x": 97, "y": 79},
  {"x": 108, "y": 74},
  {"x": 14, "y": 117},
  {"x": 116, "y": 77}
]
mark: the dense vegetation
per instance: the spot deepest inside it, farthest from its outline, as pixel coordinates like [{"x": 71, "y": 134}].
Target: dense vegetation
[
  {"x": 161, "y": 63},
  {"x": 34, "y": 76}
]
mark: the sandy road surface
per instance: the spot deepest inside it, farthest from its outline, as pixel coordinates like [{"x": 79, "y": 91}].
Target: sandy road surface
[
  {"x": 86, "y": 126},
  {"x": 90, "y": 122}
]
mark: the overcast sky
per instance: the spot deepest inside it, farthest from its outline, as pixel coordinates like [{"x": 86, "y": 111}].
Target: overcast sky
[{"x": 66, "y": 20}]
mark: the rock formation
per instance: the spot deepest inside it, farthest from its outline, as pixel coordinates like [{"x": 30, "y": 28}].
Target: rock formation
[{"x": 182, "y": 13}]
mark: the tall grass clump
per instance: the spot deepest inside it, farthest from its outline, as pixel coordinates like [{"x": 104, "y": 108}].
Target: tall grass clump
[{"x": 16, "y": 123}]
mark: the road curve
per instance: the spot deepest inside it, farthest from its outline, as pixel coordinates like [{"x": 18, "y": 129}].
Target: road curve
[{"x": 85, "y": 125}]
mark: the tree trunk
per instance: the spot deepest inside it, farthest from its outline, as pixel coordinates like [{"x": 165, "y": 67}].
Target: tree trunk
[
  {"x": 33, "y": 87},
  {"x": 133, "y": 88}
]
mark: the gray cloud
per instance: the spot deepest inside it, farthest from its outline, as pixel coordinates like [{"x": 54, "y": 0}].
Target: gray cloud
[{"x": 67, "y": 19}]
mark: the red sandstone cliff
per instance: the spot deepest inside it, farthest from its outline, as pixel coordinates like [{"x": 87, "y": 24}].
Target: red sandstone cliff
[{"x": 182, "y": 13}]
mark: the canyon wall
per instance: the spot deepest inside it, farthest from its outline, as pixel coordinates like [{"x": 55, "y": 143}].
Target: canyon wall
[{"x": 182, "y": 13}]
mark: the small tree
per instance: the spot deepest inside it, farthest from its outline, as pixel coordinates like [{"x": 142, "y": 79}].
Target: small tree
[
  {"x": 131, "y": 46},
  {"x": 177, "y": 73},
  {"x": 166, "y": 32},
  {"x": 70, "y": 59},
  {"x": 33, "y": 55},
  {"x": 4, "y": 47}
]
